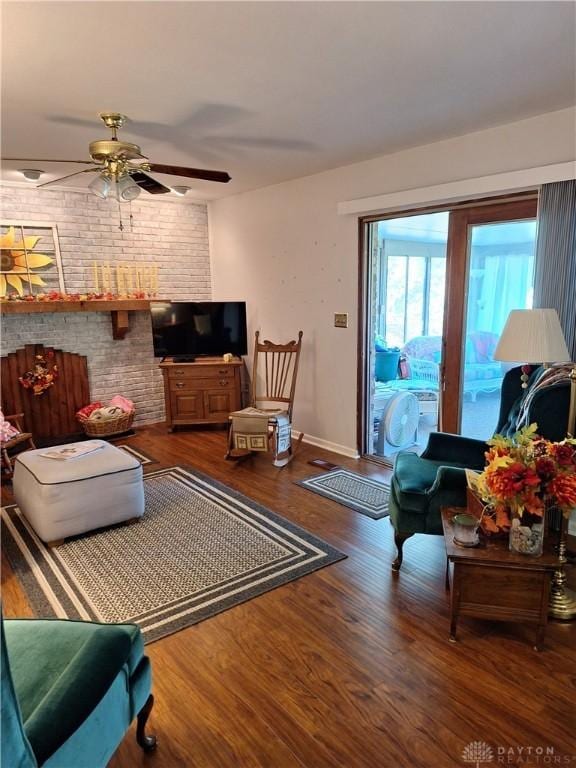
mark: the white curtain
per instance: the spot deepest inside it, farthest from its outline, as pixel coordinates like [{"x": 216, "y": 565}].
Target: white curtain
[{"x": 500, "y": 280}]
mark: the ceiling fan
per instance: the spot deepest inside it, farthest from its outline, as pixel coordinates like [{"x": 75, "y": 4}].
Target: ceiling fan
[{"x": 122, "y": 168}]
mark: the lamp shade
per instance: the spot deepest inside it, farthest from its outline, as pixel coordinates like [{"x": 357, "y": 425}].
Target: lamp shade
[
  {"x": 100, "y": 186},
  {"x": 532, "y": 336},
  {"x": 126, "y": 188}
]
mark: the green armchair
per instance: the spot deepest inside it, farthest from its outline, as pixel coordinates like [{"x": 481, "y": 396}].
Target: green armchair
[
  {"x": 422, "y": 485},
  {"x": 70, "y": 690}
]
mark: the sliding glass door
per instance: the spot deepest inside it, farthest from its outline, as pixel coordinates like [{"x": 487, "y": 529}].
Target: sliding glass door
[
  {"x": 437, "y": 290},
  {"x": 490, "y": 271},
  {"x": 405, "y": 316}
]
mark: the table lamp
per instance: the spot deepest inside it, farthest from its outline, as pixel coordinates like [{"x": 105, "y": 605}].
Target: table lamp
[{"x": 535, "y": 336}]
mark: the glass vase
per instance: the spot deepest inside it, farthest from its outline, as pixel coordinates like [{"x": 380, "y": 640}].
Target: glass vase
[{"x": 527, "y": 534}]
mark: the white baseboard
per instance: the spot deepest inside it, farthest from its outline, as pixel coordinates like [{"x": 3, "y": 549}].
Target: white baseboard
[{"x": 343, "y": 450}]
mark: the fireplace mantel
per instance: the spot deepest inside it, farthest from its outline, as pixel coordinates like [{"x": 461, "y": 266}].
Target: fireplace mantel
[{"x": 118, "y": 308}]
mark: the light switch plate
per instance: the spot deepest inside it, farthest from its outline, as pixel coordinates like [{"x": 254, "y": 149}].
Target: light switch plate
[{"x": 340, "y": 319}]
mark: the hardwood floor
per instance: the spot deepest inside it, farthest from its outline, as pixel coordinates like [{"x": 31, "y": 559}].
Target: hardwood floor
[{"x": 349, "y": 666}]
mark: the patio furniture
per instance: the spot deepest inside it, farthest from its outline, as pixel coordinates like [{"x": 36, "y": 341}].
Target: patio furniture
[{"x": 481, "y": 373}]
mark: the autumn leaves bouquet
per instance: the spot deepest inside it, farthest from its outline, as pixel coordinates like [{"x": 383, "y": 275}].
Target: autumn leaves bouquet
[
  {"x": 524, "y": 474},
  {"x": 41, "y": 377}
]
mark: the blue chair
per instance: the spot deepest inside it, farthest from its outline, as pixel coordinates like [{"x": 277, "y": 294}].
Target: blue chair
[{"x": 70, "y": 690}]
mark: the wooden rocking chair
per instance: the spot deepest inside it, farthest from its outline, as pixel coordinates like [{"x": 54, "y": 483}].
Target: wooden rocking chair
[
  {"x": 274, "y": 375},
  {"x": 17, "y": 440}
]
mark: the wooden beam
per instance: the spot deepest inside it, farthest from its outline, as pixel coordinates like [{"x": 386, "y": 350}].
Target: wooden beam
[
  {"x": 119, "y": 310},
  {"x": 120, "y": 323},
  {"x": 25, "y": 307}
]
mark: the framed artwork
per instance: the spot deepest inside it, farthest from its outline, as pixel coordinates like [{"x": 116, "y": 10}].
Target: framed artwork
[{"x": 29, "y": 259}]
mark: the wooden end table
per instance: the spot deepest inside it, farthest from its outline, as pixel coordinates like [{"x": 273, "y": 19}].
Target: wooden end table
[{"x": 490, "y": 582}]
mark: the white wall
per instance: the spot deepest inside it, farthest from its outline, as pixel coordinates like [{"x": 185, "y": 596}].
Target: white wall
[{"x": 285, "y": 250}]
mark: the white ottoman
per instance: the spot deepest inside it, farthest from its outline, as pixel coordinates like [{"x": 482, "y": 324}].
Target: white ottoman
[{"x": 64, "y": 498}]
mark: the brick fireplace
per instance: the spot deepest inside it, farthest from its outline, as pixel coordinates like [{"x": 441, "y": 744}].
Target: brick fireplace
[{"x": 170, "y": 233}]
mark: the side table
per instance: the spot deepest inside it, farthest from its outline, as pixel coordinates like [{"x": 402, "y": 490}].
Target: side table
[{"x": 490, "y": 582}]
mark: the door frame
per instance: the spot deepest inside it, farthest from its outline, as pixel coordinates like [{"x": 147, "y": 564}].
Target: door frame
[
  {"x": 456, "y": 305},
  {"x": 474, "y": 211}
]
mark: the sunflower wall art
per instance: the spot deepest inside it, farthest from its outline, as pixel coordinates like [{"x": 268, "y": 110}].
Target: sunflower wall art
[{"x": 29, "y": 259}]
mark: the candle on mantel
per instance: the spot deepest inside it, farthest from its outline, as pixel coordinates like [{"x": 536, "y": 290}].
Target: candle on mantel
[
  {"x": 96, "y": 283},
  {"x": 125, "y": 275},
  {"x": 118, "y": 280},
  {"x": 155, "y": 278},
  {"x": 107, "y": 277},
  {"x": 129, "y": 277}
]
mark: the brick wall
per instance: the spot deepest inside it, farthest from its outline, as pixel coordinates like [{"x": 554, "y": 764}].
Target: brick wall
[{"x": 172, "y": 234}]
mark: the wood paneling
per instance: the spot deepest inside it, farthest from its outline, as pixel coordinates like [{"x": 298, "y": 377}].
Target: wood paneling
[
  {"x": 51, "y": 414},
  {"x": 346, "y": 667}
]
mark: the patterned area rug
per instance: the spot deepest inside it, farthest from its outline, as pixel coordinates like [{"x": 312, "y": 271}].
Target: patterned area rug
[
  {"x": 144, "y": 458},
  {"x": 361, "y": 493},
  {"x": 199, "y": 549}
]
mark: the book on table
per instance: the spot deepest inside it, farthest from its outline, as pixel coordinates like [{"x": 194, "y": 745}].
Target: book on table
[{"x": 76, "y": 451}]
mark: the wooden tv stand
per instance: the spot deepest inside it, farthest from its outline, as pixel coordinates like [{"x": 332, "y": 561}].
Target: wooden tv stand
[{"x": 202, "y": 392}]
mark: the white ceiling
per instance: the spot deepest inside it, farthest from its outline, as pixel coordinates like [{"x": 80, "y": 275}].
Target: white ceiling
[{"x": 274, "y": 90}]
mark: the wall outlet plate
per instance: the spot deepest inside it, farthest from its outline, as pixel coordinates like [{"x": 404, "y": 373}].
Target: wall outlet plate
[{"x": 340, "y": 319}]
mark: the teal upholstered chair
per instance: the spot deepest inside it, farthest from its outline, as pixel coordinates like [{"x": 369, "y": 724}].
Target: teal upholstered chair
[
  {"x": 422, "y": 485},
  {"x": 70, "y": 690}
]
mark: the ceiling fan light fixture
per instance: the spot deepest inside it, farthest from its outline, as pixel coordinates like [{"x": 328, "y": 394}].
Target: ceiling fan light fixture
[
  {"x": 100, "y": 186},
  {"x": 31, "y": 174},
  {"x": 118, "y": 177},
  {"x": 126, "y": 188}
]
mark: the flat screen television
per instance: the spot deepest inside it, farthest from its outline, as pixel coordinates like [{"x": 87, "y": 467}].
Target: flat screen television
[{"x": 186, "y": 330}]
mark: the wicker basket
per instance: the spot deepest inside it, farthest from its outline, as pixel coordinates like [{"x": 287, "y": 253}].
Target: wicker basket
[{"x": 107, "y": 428}]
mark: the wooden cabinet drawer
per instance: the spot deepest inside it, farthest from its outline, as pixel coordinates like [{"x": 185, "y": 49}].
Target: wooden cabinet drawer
[
  {"x": 201, "y": 372},
  {"x": 179, "y": 385}
]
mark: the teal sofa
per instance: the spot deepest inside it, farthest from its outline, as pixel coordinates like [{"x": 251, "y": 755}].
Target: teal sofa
[
  {"x": 422, "y": 485},
  {"x": 70, "y": 690}
]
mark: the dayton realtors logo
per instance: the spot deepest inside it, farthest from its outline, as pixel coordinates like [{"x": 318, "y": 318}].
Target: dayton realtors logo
[{"x": 479, "y": 753}]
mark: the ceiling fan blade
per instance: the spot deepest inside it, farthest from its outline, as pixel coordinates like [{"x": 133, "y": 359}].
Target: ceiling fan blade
[
  {"x": 62, "y": 178},
  {"x": 148, "y": 183},
  {"x": 191, "y": 173},
  {"x": 30, "y": 160}
]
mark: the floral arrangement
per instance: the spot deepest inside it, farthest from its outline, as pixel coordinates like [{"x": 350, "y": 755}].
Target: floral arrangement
[
  {"x": 41, "y": 377},
  {"x": 523, "y": 474},
  {"x": 57, "y": 296}
]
